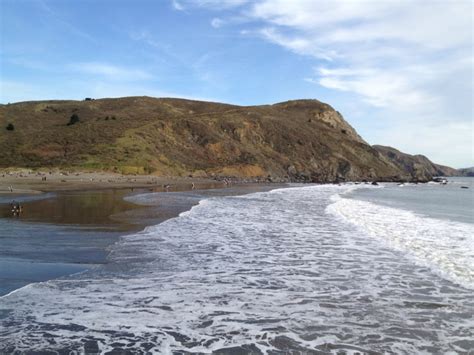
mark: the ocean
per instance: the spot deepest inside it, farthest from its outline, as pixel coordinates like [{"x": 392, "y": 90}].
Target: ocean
[{"x": 321, "y": 269}]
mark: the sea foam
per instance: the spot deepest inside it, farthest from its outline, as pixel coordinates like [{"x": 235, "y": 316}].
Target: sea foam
[
  {"x": 447, "y": 247},
  {"x": 270, "y": 271}
]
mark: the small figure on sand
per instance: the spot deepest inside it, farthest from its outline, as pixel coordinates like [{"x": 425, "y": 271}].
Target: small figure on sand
[{"x": 16, "y": 208}]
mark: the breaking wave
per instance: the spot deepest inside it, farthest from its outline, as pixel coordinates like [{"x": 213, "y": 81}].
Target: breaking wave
[{"x": 270, "y": 272}]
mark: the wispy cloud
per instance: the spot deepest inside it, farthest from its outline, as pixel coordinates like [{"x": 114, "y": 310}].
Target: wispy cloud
[
  {"x": 217, "y": 22},
  {"x": 296, "y": 43},
  {"x": 220, "y": 4},
  {"x": 177, "y": 5},
  {"x": 380, "y": 51},
  {"x": 411, "y": 60},
  {"x": 182, "y": 5},
  {"x": 111, "y": 72},
  {"x": 377, "y": 87},
  {"x": 67, "y": 25}
]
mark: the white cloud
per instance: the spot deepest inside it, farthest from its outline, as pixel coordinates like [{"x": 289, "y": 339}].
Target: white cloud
[
  {"x": 110, "y": 71},
  {"x": 434, "y": 24},
  {"x": 376, "y": 87},
  {"x": 297, "y": 44},
  {"x": 217, "y": 22},
  {"x": 383, "y": 36},
  {"x": 218, "y": 4},
  {"x": 409, "y": 59},
  {"x": 177, "y": 5},
  {"x": 182, "y": 5}
]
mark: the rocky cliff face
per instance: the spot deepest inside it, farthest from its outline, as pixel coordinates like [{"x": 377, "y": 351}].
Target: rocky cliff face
[
  {"x": 465, "y": 172},
  {"x": 301, "y": 140},
  {"x": 418, "y": 167}
]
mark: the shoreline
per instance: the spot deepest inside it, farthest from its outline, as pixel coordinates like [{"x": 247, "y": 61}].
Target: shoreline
[
  {"x": 30, "y": 182},
  {"x": 157, "y": 296},
  {"x": 132, "y": 218},
  {"x": 19, "y": 181}
]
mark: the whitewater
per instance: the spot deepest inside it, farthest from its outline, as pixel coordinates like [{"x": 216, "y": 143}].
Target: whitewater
[{"x": 300, "y": 269}]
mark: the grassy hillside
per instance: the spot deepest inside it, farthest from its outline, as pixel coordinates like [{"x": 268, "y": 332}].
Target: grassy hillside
[{"x": 298, "y": 140}]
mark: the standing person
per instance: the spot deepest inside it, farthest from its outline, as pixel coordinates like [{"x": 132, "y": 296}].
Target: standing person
[{"x": 14, "y": 208}]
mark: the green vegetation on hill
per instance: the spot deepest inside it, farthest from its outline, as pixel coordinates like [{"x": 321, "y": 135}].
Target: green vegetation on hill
[{"x": 303, "y": 140}]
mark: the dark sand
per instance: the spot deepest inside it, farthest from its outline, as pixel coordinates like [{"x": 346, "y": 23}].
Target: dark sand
[
  {"x": 64, "y": 232},
  {"x": 27, "y": 181}
]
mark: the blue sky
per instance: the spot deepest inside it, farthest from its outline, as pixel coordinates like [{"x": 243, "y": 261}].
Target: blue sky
[{"x": 399, "y": 71}]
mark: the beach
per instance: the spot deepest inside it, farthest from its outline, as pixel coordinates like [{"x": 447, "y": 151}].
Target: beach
[
  {"x": 302, "y": 268},
  {"x": 235, "y": 177},
  {"x": 61, "y": 232},
  {"x": 70, "y": 218},
  {"x": 28, "y": 181}
]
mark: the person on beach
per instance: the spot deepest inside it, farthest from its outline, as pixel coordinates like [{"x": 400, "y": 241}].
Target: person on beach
[{"x": 15, "y": 208}]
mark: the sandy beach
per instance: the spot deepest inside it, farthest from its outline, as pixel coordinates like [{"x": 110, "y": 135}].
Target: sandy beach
[
  {"x": 26, "y": 181},
  {"x": 67, "y": 227}
]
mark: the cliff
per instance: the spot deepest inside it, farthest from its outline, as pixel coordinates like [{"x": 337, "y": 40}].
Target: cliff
[
  {"x": 301, "y": 140},
  {"x": 418, "y": 166},
  {"x": 465, "y": 172}
]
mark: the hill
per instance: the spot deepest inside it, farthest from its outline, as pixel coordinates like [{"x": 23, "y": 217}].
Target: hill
[
  {"x": 418, "y": 166},
  {"x": 301, "y": 140},
  {"x": 465, "y": 172}
]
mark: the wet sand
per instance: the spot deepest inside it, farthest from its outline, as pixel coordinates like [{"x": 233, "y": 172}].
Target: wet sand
[
  {"x": 58, "y": 234},
  {"x": 64, "y": 232},
  {"x": 24, "y": 181}
]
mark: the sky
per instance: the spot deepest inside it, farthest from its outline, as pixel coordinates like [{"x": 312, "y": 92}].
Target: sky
[{"x": 400, "y": 72}]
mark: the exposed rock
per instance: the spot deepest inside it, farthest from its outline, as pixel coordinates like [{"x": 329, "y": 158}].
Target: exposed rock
[
  {"x": 465, "y": 172},
  {"x": 419, "y": 167},
  {"x": 247, "y": 349}
]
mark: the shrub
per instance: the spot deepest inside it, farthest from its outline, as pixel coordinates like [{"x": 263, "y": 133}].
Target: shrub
[
  {"x": 73, "y": 120},
  {"x": 10, "y": 127}
]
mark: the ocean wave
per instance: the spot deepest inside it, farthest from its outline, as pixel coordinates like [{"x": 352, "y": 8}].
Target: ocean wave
[
  {"x": 261, "y": 273},
  {"x": 445, "y": 246}
]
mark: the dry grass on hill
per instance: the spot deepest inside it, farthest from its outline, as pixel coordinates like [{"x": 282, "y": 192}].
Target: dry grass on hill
[{"x": 298, "y": 140}]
